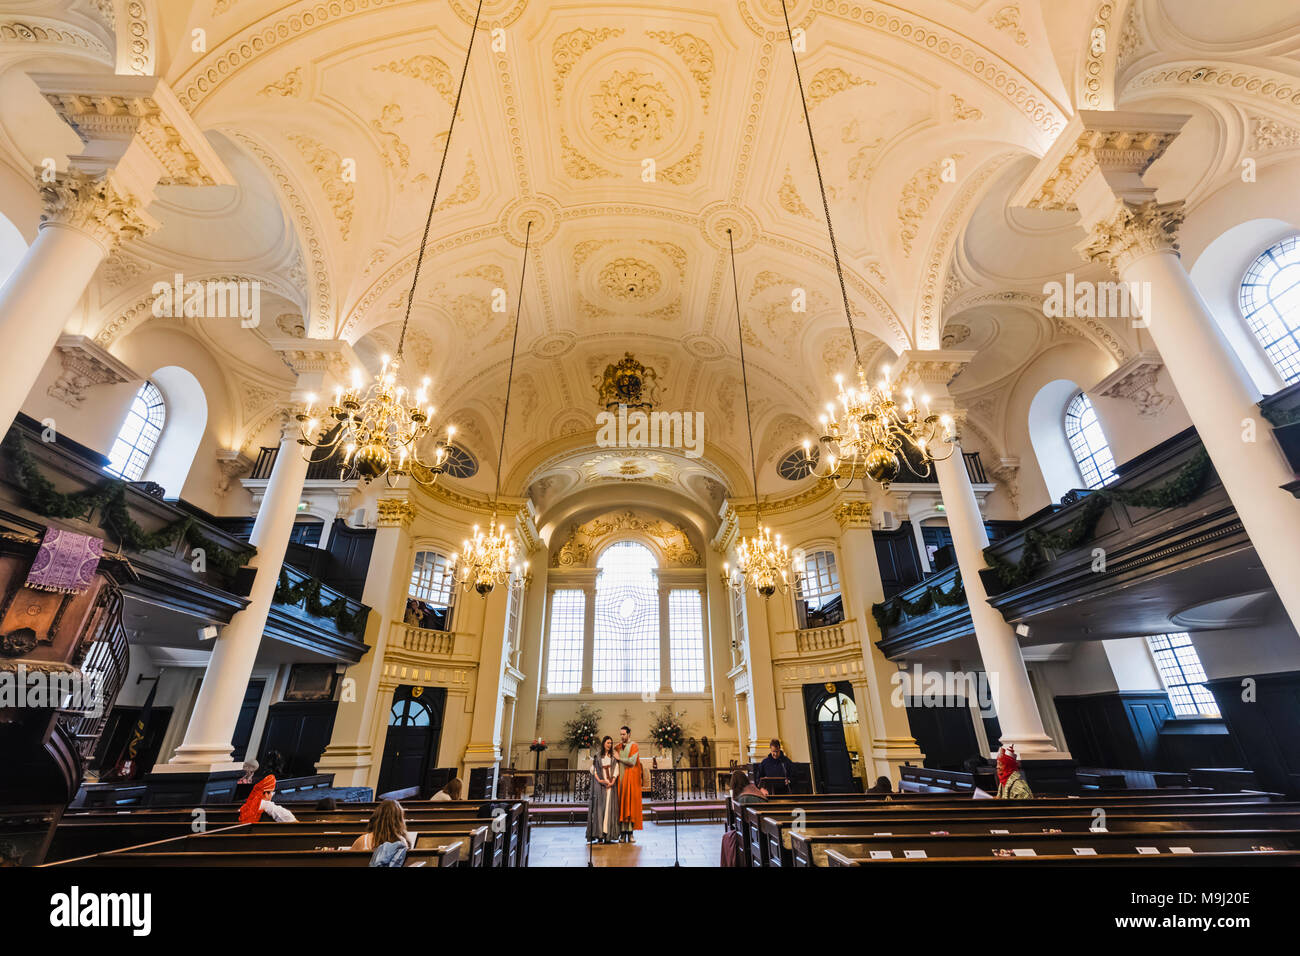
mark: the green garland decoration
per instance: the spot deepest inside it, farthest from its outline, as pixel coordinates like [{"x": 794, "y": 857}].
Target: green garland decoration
[
  {"x": 307, "y": 592},
  {"x": 110, "y": 498},
  {"x": 889, "y": 613},
  {"x": 1183, "y": 488}
]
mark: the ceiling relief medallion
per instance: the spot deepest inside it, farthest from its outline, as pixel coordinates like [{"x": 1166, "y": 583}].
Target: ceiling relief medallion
[
  {"x": 766, "y": 18},
  {"x": 696, "y": 54},
  {"x": 630, "y": 280},
  {"x": 629, "y": 466},
  {"x": 495, "y": 12},
  {"x": 627, "y": 382},
  {"x": 325, "y": 164},
  {"x": 542, "y": 211},
  {"x": 584, "y": 540},
  {"x": 718, "y": 217},
  {"x": 704, "y": 347},
  {"x": 826, "y": 83},
  {"x": 570, "y": 47},
  {"x": 555, "y": 346},
  {"x": 631, "y": 110}
]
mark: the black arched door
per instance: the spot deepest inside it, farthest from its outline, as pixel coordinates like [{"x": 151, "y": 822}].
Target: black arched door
[
  {"x": 825, "y": 707},
  {"x": 411, "y": 747}
]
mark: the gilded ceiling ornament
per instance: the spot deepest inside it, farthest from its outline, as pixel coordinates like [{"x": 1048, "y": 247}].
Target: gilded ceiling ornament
[
  {"x": 488, "y": 273},
  {"x": 695, "y": 53},
  {"x": 687, "y": 169},
  {"x": 327, "y": 165},
  {"x": 788, "y": 196},
  {"x": 395, "y": 154},
  {"x": 583, "y": 250},
  {"x": 569, "y": 48},
  {"x": 628, "y": 382},
  {"x": 853, "y": 514},
  {"x": 675, "y": 253},
  {"x": 631, "y": 109},
  {"x": 289, "y": 85},
  {"x": 826, "y": 83},
  {"x": 468, "y": 190},
  {"x": 628, "y": 279},
  {"x": 429, "y": 70},
  {"x": 1269, "y": 133},
  {"x": 916, "y": 198},
  {"x": 960, "y": 111},
  {"x": 1008, "y": 21},
  {"x": 584, "y": 540},
  {"x": 577, "y": 165}
]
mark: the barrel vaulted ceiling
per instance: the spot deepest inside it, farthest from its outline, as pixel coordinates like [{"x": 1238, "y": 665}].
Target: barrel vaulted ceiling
[{"x": 927, "y": 115}]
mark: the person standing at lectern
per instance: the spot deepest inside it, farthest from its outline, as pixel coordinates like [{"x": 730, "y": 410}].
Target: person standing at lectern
[
  {"x": 775, "y": 771},
  {"x": 629, "y": 786}
]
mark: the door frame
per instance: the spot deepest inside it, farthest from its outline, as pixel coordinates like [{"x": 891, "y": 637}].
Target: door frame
[
  {"x": 437, "y": 704},
  {"x": 814, "y": 695}
]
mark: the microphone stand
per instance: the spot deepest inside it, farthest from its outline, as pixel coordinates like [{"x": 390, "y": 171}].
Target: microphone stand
[{"x": 676, "y": 859}]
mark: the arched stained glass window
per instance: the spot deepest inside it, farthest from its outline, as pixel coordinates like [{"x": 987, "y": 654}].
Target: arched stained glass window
[
  {"x": 625, "y": 649},
  {"x": 138, "y": 436},
  {"x": 1270, "y": 303},
  {"x": 1088, "y": 442}
]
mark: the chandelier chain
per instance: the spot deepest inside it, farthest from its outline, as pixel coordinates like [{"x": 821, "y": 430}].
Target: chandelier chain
[
  {"x": 428, "y": 221},
  {"x": 510, "y": 376},
  {"x": 744, "y": 376},
  {"x": 821, "y": 185}
]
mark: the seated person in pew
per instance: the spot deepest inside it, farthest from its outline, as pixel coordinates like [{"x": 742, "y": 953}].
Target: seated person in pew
[
  {"x": 882, "y": 785},
  {"x": 452, "y": 791},
  {"x": 387, "y": 825},
  {"x": 744, "y": 792},
  {"x": 1011, "y": 781},
  {"x": 261, "y": 801},
  {"x": 250, "y": 769}
]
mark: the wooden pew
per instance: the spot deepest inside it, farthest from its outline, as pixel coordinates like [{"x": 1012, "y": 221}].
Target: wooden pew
[
  {"x": 847, "y": 857},
  {"x": 809, "y": 847},
  {"x": 764, "y": 824}
]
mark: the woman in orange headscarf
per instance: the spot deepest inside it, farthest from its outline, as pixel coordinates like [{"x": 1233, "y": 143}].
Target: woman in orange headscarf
[{"x": 259, "y": 802}]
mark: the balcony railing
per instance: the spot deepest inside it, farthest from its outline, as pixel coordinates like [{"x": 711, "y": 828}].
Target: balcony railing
[
  {"x": 929, "y": 612},
  {"x": 329, "y": 469},
  {"x": 574, "y": 785},
  {"x": 314, "y": 616},
  {"x": 820, "y": 638}
]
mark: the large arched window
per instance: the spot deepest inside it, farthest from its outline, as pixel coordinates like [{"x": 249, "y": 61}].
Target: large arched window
[
  {"x": 432, "y": 592},
  {"x": 625, "y": 649},
  {"x": 1270, "y": 303},
  {"x": 817, "y": 594},
  {"x": 138, "y": 437},
  {"x": 1088, "y": 442}
]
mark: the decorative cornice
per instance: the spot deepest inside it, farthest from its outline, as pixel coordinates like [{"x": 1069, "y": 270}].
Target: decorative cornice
[
  {"x": 232, "y": 464},
  {"x": 85, "y": 364},
  {"x": 394, "y": 513},
  {"x": 1135, "y": 381},
  {"x": 853, "y": 514},
  {"x": 933, "y": 367},
  {"x": 1133, "y": 231}
]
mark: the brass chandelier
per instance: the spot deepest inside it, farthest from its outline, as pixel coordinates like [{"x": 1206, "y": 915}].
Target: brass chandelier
[
  {"x": 378, "y": 428},
  {"x": 489, "y": 558},
  {"x": 869, "y": 434},
  {"x": 763, "y": 563}
]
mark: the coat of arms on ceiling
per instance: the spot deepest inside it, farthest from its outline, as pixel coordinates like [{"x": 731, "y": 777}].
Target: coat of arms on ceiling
[{"x": 629, "y": 383}]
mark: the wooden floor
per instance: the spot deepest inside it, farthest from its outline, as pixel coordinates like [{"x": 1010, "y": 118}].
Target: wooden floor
[{"x": 700, "y": 844}]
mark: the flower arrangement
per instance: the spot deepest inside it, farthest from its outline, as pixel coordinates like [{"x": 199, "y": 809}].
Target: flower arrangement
[
  {"x": 666, "y": 729},
  {"x": 581, "y": 732}
]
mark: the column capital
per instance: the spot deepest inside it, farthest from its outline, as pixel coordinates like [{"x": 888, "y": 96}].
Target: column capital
[
  {"x": 317, "y": 362},
  {"x": 94, "y": 205},
  {"x": 853, "y": 514},
  {"x": 135, "y": 131},
  {"x": 1132, "y": 231},
  {"x": 932, "y": 369},
  {"x": 395, "y": 513}
]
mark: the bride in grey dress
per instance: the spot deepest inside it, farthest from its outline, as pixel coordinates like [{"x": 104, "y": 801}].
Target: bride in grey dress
[{"x": 602, "y": 814}]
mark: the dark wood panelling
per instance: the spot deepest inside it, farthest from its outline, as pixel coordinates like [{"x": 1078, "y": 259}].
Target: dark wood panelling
[
  {"x": 1264, "y": 717},
  {"x": 900, "y": 566}
]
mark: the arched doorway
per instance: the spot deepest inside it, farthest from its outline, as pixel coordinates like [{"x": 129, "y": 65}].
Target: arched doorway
[
  {"x": 833, "y": 739},
  {"x": 414, "y": 730}
]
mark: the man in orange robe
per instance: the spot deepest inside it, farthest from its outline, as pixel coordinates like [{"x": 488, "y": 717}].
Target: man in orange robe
[{"x": 629, "y": 787}]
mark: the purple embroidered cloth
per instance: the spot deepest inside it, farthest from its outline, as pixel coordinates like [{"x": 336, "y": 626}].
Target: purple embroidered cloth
[{"x": 66, "y": 562}]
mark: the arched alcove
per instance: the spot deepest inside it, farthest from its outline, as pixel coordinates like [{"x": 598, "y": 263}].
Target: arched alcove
[
  {"x": 1218, "y": 272},
  {"x": 187, "y": 417},
  {"x": 1046, "y": 434}
]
